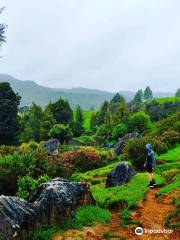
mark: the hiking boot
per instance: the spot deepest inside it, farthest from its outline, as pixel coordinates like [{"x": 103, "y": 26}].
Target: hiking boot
[
  {"x": 154, "y": 183},
  {"x": 151, "y": 185}
]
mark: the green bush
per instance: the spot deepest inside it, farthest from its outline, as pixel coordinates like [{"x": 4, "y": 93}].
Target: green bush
[
  {"x": 135, "y": 150},
  {"x": 171, "y": 123},
  {"x": 27, "y": 185},
  {"x": 61, "y": 132},
  {"x": 139, "y": 122},
  {"x": 119, "y": 131},
  {"x": 17, "y": 165}
]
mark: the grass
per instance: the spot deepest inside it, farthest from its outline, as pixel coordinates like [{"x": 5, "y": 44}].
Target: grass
[
  {"x": 170, "y": 187},
  {"x": 85, "y": 216},
  {"x": 171, "y": 155},
  {"x": 129, "y": 194},
  {"x": 87, "y": 119},
  {"x": 167, "y": 166},
  {"x": 167, "y": 99}
]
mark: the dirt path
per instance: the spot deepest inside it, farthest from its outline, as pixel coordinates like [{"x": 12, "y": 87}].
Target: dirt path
[{"x": 150, "y": 214}]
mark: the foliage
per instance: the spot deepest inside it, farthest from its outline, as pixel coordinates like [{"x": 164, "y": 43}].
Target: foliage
[
  {"x": 61, "y": 111},
  {"x": 17, "y": 165},
  {"x": 139, "y": 122},
  {"x": 170, "y": 138},
  {"x": 78, "y": 128},
  {"x": 177, "y": 93},
  {"x": 102, "y": 135},
  {"x": 31, "y": 124},
  {"x": 9, "y": 102},
  {"x": 27, "y": 185},
  {"x": 161, "y": 108},
  {"x": 83, "y": 159},
  {"x": 170, "y": 123},
  {"x": 30, "y": 146},
  {"x": 119, "y": 131},
  {"x": 121, "y": 114},
  {"x": 62, "y": 132},
  {"x": 2, "y": 30},
  {"x": 135, "y": 150},
  {"x": 148, "y": 93}
]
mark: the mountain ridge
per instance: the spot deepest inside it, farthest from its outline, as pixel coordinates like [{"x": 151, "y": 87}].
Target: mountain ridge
[{"x": 31, "y": 91}]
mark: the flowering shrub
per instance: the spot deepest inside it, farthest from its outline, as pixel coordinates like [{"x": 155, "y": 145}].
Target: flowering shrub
[
  {"x": 83, "y": 159},
  {"x": 170, "y": 138}
]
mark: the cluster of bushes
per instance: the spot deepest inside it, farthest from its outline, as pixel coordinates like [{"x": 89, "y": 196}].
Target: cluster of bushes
[
  {"x": 135, "y": 150},
  {"x": 24, "y": 168}
]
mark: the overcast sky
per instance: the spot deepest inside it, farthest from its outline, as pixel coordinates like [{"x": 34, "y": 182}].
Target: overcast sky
[{"x": 105, "y": 44}]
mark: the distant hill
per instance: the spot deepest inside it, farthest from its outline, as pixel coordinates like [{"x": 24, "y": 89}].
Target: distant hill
[{"x": 86, "y": 98}]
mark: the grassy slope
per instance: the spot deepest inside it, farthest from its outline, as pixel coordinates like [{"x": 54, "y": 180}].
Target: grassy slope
[
  {"x": 170, "y": 170},
  {"x": 168, "y": 99},
  {"x": 130, "y": 193},
  {"x": 87, "y": 118},
  {"x": 172, "y": 155}
]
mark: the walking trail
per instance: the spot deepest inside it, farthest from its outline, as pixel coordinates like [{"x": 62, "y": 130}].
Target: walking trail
[{"x": 150, "y": 214}]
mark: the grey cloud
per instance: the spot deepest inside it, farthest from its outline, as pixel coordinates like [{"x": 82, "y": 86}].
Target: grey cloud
[{"x": 111, "y": 45}]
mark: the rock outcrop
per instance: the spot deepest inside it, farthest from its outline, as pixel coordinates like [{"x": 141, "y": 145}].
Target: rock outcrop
[
  {"x": 51, "y": 202},
  {"x": 121, "y": 141},
  {"x": 119, "y": 175},
  {"x": 52, "y": 145}
]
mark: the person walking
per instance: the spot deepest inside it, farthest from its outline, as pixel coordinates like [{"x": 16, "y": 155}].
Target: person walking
[{"x": 150, "y": 165}]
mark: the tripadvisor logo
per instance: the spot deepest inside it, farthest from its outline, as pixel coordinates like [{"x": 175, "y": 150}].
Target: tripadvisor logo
[{"x": 139, "y": 231}]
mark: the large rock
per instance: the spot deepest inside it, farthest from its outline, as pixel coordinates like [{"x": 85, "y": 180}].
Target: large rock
[
  {"x": 121, "y": 141},
  {"x": 15, "y": 213},
  {"x": 52, "y": 145},
  {"x": 59, "y": 197},
  {"x": 119, "y": 175},
  {"x": 51, "y": 202}
]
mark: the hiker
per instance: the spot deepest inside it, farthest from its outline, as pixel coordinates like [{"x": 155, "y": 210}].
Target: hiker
[{"x": 150, "y": 165}]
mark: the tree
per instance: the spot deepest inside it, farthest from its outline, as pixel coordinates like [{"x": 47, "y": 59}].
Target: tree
[
  {"x": 121, "y": 114},
  {"x": 148, "y": 94},
  {"x": 177, "y": 93},
  {"x": 136, "y": 103},
  {"x": 138, "y": 96},
  {"x": 31, "y": 124},
  {"x": 139, "y": 122},
  {"x": 62, "y": 111},
  {"x": 116, "y": 100},
  {"x": 9, "y": 102},
  {"x": 2, "y": 30},
  {"x": 47, "y": 123},
  {"x": 78, "y": 128},
  {"x": 119, "y": 131},
  {"x": 62, "y": 132}
]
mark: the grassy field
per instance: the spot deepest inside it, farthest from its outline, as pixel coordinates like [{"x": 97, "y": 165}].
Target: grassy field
[
  {"x": 87, "y": 118},
  {"x": 168, "y": 99},
  {"x": 170, "y": 170},
  {"x": 172, "y": 155}
]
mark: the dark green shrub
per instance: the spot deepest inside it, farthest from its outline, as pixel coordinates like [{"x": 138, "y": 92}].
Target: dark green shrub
[
  {"x": 62, "y": 132},
  {"x": 135, "y": 150},
  {"x": 171, "y": 123}
]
